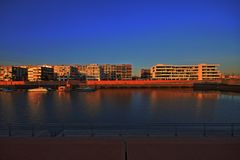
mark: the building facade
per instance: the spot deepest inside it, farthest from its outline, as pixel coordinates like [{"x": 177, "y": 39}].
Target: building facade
[
  {"x": 116, "y": 71},
  {"x": 208, "y": 72},
  {"x": 92, "y": 72},
  {"x": 65, "y": 72},
  {"x": 108, "y": 72},
  {"x": 145, "y": 74},
  {"x": 185, "y": 72},
  {"x": 82, "y": 69},
  {"x": 124, "y": 71},
  {"x": 40, "y": 73},
  {"x": 13, "y": 73}
]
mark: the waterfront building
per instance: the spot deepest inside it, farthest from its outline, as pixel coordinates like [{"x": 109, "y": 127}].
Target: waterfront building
[
  {"x": 208, "y": 72},
  {"x": 108, "y": 72},
  {"x": 65, "y": 72},
  {"x": 145, "y": 74},
  {"x": 124, "y": 71},
  {"x": 13, "y": 73},
  {"x": 116, "y": 71},
  {"x": 185, "y": 72},
  {"x": 82, "y": 68},
  {"x": 92, "y": 72},
  {"x": 237, "y": 77},
  {"x": 40, "y": 73},
  {"x": 136, "y": 77},
  {"x": 82, "y": 71}
]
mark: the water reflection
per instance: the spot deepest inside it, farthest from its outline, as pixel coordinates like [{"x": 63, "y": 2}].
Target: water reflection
[
  {"x": 183, "y": 105},
  {"x": 92, "y": 103},
  {"x": 7, "y": 109},
  {"x": 120, "y": 106},
  {"x": 116, "y": 105},
  {"x": 206, "y": 104},
  {"x": 62, "y": 105},
  {"x": 35, "y": 102}
]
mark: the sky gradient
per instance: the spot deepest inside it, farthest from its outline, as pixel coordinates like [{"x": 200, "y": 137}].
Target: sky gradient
[{"x": 142, "y": 33}]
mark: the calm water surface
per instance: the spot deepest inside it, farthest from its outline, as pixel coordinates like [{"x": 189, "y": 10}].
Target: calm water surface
[{"x": 120, "y": 106}]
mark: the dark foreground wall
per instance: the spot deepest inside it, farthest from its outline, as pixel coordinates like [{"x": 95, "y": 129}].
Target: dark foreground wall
[{"x": 119, "y": 149}]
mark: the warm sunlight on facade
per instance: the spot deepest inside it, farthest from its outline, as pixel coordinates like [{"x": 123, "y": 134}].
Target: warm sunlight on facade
[{"x": 186, "y": 72}]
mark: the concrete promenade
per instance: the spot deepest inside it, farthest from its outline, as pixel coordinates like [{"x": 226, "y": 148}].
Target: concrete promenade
[{"x": 120, "y": 149}]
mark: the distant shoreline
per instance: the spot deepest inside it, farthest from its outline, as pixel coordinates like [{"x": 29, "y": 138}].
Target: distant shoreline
[{"x": 197, "y": 85}]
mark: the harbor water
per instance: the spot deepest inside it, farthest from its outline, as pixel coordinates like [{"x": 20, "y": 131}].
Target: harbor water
[{"x": 120, "y": 106}]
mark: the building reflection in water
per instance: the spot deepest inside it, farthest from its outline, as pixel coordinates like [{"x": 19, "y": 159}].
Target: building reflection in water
[
  {"x": 62, "y": 105},
  {"x": 104, "y": 106},
  {"x": 206, "y": 104},
  {"x": 120, "y": 106},
  {"x": 183, "y": 105},
  {"x": 92, "y": 102},
  {"x": 117, "y": 105},
  {"x": 36, "y": 106},
  {"x": 7, "y": 109}
]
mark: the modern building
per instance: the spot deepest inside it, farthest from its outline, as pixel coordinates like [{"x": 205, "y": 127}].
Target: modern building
[
  {"x": 108, "y": 72},
  {"x": 116, "y": 71},
  {"x": 124, "y": 71},
  {"x": 65, "y": 72},
  {"x": 82, "y": 71},
  {"x": 40, "y": 73},
  {"x": 13, "y": 73},
  {"x": 208, "y": 72},
  {"x": 236, "y": 77},
  {"x": 82, "y": 68},
  {"x": 145, "y": 74},
  {"x": 92, "y": 72},
  {"x": 185, "y": 72}
]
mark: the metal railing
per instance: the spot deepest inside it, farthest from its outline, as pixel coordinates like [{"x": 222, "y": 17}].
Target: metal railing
[{"x": 146, "y": 130}]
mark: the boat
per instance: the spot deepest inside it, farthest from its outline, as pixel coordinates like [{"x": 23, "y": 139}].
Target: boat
[
  {"x": 50, "y": 89},
  {"x": 64, "y": 89},
  {"x": 39, "y": 89},
  {"x": 6, "y": 90},
  {"x": 86, "y": 89}
]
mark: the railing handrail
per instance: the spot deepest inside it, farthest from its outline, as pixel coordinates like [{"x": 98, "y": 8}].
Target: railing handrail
[
  {"x": 114, "y": 124},
  {"x": 55, "y": 129}
]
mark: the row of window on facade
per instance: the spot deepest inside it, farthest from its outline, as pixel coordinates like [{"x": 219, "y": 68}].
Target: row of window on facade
[
  {"x": 66, "y": 72},
  {"x": 109, "y": 72},
  {"x": 186, "y": 72}
]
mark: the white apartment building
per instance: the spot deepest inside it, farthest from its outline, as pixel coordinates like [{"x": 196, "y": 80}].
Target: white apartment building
[
  {"x": 92, "y": 72},
  {"x": 62, "y": 72},
  {"x": 185, "y": 72},
  {"x": 39, "y": 73}
]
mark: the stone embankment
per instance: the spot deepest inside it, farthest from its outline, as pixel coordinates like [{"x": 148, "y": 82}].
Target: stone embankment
[{"x": 220, "y": 85}]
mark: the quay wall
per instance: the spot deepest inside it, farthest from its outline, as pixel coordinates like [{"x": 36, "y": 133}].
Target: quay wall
[
  {"x": 100, "y": 84},
  {"x": 140, "y": 83},
  {"x": 198, "y": 85}
]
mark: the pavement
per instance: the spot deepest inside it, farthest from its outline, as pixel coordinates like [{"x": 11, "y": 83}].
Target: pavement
[{"x": 119, "y": 148}]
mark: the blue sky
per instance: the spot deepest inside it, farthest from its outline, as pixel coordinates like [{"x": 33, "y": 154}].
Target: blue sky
[{"x": 142, "y": 33}]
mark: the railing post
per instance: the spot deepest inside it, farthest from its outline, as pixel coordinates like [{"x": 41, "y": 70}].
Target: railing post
[
  {"x": 126, "y": 149},
  {"x": 148, "y": 130},
  {"x": 204, "y": 130},
  {"x": 63, "y": 131},
  {"x": 92, "y": 132},
  {"x": 32, "y": 131},
  {"x": 176, "y": 130},
  {"x": 232, "y": 130},
  {"x": 9, "y": 131}
]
